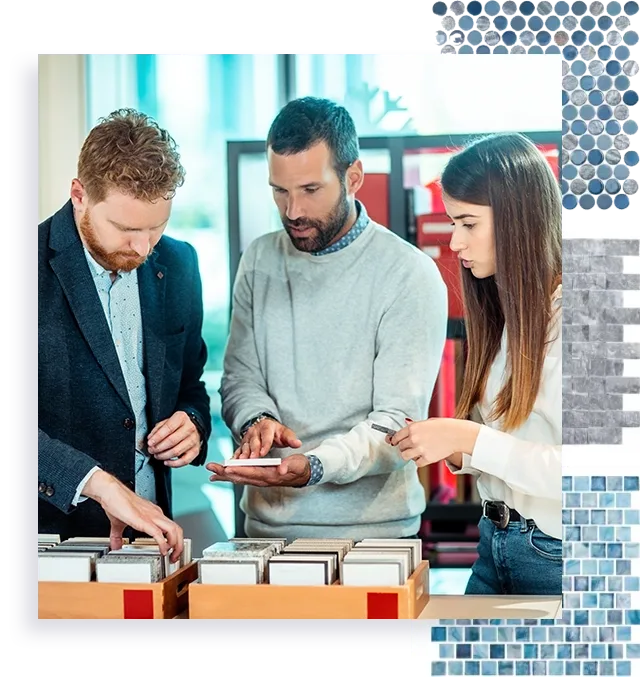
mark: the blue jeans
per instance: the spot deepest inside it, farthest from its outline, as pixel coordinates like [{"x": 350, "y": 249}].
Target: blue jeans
[{"x": 518, "y": 560}]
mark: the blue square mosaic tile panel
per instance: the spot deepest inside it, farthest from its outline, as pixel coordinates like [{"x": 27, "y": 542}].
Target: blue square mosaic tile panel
[
  {"x": 598, "y": 157},
  {"x": 600, "y": 591}
]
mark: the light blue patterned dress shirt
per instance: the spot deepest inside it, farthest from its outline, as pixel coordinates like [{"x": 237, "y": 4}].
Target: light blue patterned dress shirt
[{"x": 121, "y": 304}]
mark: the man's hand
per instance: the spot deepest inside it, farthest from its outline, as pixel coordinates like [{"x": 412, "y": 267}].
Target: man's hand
[
  {"x": 262, "y": 436},
  {"x": 294, "y": 471},
  {"x": 176, "y": 436},
  {"x": 124, "y": 507}
]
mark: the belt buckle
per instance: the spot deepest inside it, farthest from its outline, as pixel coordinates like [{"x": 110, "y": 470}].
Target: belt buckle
[
  {"x": 505, "y": 515},
  {"x": 503, "y": 512}
]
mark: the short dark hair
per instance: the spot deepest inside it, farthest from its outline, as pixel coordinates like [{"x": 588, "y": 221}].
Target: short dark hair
[{"x": 303, "y": 123}]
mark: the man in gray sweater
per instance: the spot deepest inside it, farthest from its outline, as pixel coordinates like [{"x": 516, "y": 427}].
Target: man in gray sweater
[{"x": 337, "y": 324}]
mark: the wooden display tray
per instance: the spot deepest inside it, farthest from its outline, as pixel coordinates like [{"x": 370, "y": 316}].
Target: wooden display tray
[
  {"x": 165, "y": 599},
  {"x": 321, "y": 601}
]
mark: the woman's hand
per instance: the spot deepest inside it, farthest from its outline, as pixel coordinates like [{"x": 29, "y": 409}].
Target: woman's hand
[{"x": 427, "y": 442}]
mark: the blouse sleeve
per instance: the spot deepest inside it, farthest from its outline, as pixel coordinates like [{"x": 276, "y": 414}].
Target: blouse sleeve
[{"x": 528, "y": 467}]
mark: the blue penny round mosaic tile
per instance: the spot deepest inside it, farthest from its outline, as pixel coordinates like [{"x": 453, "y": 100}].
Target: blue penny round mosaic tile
[{"x": 599, "y": 138}]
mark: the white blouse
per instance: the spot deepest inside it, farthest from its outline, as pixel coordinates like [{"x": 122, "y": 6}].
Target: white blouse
[{"x": 523, "y": 468}]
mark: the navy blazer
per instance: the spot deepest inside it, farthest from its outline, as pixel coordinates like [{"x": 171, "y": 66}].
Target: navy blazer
[{"x": 84, "y": 414}]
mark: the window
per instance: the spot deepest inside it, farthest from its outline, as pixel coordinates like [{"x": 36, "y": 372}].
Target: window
[{"x": 413, "y": 94}]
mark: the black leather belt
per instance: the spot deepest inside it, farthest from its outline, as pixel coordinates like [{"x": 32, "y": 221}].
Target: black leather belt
[{"x": 500, "y": 513}]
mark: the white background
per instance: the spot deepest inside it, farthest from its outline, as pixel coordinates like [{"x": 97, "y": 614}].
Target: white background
[
  {"x": 191, "y": 24},
  {"x": 250, "y": 24}
]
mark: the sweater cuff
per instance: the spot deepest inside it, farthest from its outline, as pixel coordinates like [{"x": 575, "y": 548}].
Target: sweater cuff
[
  {"x": 491, "y": 452},
  {"x": 245, "y": 415},
  {"x": 323, "y": 460}
]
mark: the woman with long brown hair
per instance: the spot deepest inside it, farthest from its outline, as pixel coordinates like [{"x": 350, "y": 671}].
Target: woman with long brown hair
[{"x": 505, "y": 206}]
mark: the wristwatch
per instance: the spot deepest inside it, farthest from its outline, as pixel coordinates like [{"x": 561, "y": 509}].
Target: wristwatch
[
  {"x": 256, "y": 419},
  {"x": 196, "y": 422}
]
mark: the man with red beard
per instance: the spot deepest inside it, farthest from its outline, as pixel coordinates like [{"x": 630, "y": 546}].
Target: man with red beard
[
  {"x": 121, "y": 398},
  {"x": 337, "y": 324}
]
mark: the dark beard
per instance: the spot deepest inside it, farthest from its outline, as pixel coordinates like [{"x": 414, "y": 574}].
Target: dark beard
[{"x": 326, "y": 230}]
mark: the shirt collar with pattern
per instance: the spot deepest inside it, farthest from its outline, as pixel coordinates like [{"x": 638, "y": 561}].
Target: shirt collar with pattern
[
  {"x": 358, "y": 227},
  {"x": 99, "y": 271}
]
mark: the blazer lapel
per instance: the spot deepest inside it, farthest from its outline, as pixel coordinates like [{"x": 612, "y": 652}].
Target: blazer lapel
[
  {"x": 72, "y": 271},
  {"x": 151, "y": 283}
]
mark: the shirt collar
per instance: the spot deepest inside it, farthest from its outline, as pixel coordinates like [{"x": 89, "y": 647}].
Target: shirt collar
[
  {"x": 358, "y": 227},
  {"x": 98, "y": 271}
]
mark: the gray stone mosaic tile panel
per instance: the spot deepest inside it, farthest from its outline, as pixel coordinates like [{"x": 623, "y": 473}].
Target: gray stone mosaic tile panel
[{"x": 593, "y": 346}]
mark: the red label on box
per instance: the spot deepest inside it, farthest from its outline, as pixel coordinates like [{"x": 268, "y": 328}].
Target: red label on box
[
  {"x": 382, "y": 605},
  {"x": 138, "y": 603}
]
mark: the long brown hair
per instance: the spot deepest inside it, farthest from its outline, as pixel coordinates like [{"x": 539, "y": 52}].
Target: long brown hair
[{"x": 509, "y": 174}]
